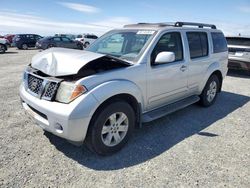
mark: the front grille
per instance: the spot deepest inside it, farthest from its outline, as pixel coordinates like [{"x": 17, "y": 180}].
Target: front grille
[
  {"x": 51, "y": 89},
  {"x": 41, "y": 87},
  {"x": 35, "y": 84}
]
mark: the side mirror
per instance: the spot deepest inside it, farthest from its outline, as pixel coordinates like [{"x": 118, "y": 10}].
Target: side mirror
[{"x": 165, "y": 57}]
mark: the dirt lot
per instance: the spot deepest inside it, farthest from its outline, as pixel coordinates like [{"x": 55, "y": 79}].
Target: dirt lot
[{"x": 194, "y": 147}]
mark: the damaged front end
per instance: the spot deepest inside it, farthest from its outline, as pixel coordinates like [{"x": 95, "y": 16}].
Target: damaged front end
[{"x": 49, "y": 77}]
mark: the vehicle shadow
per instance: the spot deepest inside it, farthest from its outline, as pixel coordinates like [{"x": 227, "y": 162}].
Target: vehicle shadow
[
  {"x": 158, "y": 136},
  {"x": 10, "y": 52},
  {"x": 239, "y": 73}
]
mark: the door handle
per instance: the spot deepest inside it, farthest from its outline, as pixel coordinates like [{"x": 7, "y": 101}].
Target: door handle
[{"x": 183, "y": 68}]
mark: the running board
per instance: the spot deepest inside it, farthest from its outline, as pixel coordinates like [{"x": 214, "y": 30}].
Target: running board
[{"x": 165, "y": 110}]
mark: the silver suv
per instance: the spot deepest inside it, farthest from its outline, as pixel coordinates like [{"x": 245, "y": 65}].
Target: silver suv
[{"x": 128, "y": 76}]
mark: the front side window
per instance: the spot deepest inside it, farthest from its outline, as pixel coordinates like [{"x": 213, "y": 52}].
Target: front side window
[
  {"x": 126, "y": 45},
  {"x": 56, "y": 39},
  {"x": 219, "y": 42},
  {"x": 198, "y": 44},
  {"x": 170, "y": 42}
]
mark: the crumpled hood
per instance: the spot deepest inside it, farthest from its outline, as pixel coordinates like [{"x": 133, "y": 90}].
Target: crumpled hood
[{"x": 62, "y": 61}]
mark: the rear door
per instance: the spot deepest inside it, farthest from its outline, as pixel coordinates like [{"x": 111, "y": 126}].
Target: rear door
[
  {"x": 68, "y": 43},
  {"x": 199, "y": 59},
  {"x": 32, "y": 40}
]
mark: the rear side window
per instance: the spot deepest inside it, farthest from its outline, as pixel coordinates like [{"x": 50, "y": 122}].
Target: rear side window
[
  {"x": 219, "y": 42},
  {"x": 198, "y": 44},
  {"x": 65, "y": 39}
]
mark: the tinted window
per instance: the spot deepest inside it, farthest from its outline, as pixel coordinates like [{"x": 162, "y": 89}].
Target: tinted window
[
  {"x": 65, "y": 39},
  {"x": 219, "y": 42},
  {"x": 238, "y": 41},
  {"x": 92, "y": 37},
  {"x": 198, "y": 44},
  {"x": 79, "y": 36},
  {"x": 56, "y": 39},
  {"x": 170, "y": 42}
]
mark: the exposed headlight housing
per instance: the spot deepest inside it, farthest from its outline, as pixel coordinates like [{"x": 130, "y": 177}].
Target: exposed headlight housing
[{"x": 67, "y": 92}]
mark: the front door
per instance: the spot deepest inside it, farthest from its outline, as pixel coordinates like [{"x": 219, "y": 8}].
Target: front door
[{"x": 167, "y": 82}]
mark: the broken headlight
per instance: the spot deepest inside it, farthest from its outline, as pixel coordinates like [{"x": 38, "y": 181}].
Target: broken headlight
[{"x": 67, "y": 92}]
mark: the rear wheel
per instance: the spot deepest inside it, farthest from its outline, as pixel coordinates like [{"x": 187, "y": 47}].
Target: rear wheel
[
  {"x": 2, "y": 48},
  {"x": 24, "y": 46},
  {"x": 111, "y": 128},
  {"x": 209, "y": 93}
]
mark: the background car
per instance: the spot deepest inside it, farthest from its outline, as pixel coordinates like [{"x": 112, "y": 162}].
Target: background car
[
  {"x": 3, "y": 45},
  {"x": 86, "y": 39},
  {"x": 70, "y": 36},
  {"x": 9, "y": 37},
  {"x": 25, "y": 41},
  {"x": 239, "y": 52},
  {"x": 64, "y": 42}
]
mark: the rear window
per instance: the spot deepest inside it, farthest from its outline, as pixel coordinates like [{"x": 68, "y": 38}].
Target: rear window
[
  {"x": 219, "y": 42},
  {"x": 238, "y": 41},
  {"x": 198, "y": 44}
]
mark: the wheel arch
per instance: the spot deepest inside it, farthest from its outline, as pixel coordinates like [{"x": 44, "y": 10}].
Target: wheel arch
[{"x": 213, "y": 69}]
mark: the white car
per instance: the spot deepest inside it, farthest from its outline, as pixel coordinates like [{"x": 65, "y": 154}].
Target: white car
[
  {"x": 86, "y": 39},
  {"x": 128, "y": 76},
  {"x": 4, "y": 45}
]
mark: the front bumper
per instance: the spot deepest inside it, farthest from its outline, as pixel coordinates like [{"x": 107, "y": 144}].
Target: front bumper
[{"x": 69, "y": 121}]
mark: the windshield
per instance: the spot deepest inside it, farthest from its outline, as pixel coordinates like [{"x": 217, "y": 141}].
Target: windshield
[
  {"x": 238, "y": 41},
  {"x": 125, "y": 45}
]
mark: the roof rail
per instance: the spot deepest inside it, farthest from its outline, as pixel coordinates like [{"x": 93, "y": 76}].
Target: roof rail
[
  {"x": 200, "y": 25},
  {"x": 149, "y": 24}
]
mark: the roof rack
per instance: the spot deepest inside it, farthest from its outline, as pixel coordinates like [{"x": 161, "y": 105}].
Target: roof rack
[
  {"x": 149, "y": 24},
  {"x": 200, "y": 25},
  {"x": 165, "y": 24}
]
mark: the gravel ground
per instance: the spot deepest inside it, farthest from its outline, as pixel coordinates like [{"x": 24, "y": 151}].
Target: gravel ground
[{"x": 194, "y": 147}]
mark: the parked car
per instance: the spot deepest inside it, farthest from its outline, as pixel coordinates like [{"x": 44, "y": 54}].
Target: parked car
[
  {"x": 63, "y": 42},
  {"x": 86, "y": 39},
  {"x": 9, "y": 37},
  {"x": 70, "y": 36},
  {"x": 99, "y": 95},
  {"x": 239, "y": 52},
  {"x": 25, "y": 41},
  {"x": 3, "y": 45}
]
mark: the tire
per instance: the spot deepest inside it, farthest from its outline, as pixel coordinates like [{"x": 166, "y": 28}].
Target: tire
[
  {"x": 86, "y": 44},
  {"x": 79, "y": 46},
  {"x": 210, "y": 91},
  {"x": 50, "y": 46},
  {"x": 2, "y": 48},
  {"x": 24, "y": 46},
  {"x": 102, "y": 137}
]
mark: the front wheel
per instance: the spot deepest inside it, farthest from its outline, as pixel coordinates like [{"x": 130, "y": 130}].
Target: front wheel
[
  {"x": 24, "y": 46},
  {"x": 2, "y": 48},
  {"x": 209, "y": 93},
  {"x": 111, "y": 128}
]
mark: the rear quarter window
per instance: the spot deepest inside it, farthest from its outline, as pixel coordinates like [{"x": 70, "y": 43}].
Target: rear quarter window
[{"x": 219, "y": 42}]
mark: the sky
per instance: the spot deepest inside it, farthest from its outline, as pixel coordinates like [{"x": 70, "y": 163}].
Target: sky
[{"x": 47, "y": 17}]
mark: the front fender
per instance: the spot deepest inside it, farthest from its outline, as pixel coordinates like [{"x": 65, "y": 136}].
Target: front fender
[{"x": 115, "y": 87}]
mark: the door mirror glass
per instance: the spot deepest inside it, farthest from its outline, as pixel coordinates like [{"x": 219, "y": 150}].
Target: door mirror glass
[{"x": 165, "y": 57}]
